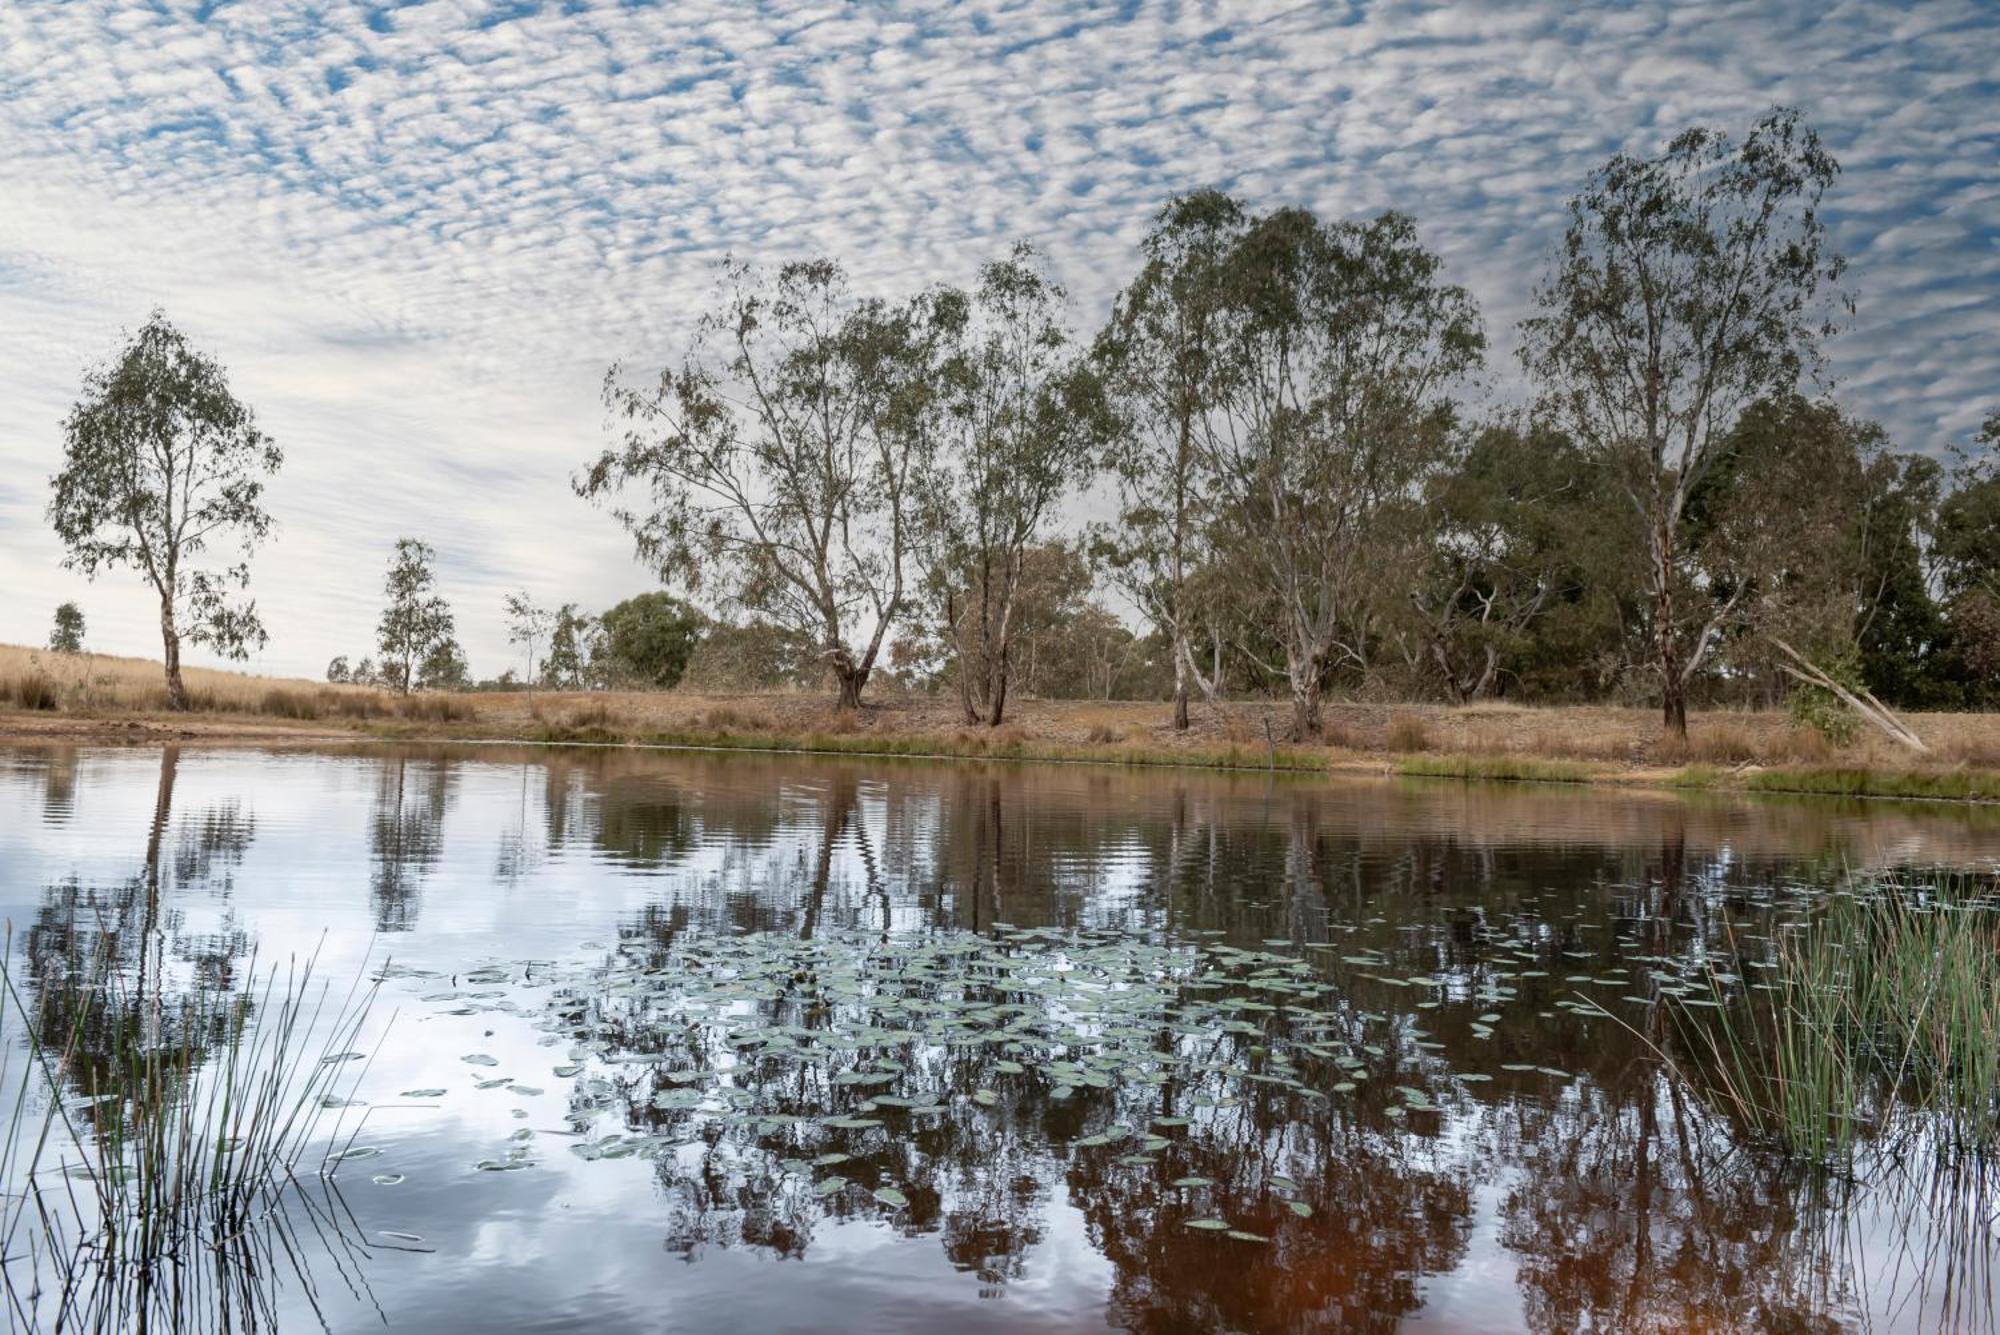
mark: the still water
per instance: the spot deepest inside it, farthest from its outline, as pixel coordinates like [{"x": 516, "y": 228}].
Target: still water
[{"x": 687, "y": 1041}]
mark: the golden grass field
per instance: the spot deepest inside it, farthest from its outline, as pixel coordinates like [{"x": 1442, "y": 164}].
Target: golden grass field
[{"x": 51, "y": 696}]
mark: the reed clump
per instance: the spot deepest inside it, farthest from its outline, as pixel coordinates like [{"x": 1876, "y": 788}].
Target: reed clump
[
  {"x": 149, "y": 1153},
  {"x": 1876, "y": 1020}
]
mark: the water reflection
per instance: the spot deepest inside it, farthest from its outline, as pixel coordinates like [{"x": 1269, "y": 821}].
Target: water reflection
[
  {"x": 1463, "y": 940},
  {"x": 131, "y": 927},
  {"x": 406, "y": 834}
]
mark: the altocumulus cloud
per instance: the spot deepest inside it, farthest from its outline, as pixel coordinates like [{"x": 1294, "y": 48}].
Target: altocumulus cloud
[{"x": 417, "y": 233}]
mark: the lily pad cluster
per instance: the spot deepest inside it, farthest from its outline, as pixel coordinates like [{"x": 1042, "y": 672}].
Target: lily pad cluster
[{"x": 820, "y": 1053}]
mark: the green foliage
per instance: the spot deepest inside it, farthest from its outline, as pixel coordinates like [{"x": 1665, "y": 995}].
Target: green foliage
[
  {"x": 442, "y": 667},
  {"x": 1821, "y": 711},
  {"x": 1508, "y": 769},
  {"x": 753, "y": 656},
  {"x": 779, "y": 462},
  {"x": 1529, "y": 550},
  {"x": 528, "y": 624},
  {"x": 163, "y": 467},
  {"x": 66, "y": 637},
  {"x": 1338, "y": 350},
  {"x": 1967, "y": 543},
  {"x": 648, "y": 639},
  {"x": 1157, "y": 358},
  {"x": 1024, "y": 416}
]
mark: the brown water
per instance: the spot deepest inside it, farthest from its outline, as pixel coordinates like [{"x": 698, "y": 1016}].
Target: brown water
[{"x": 784, "y": 1043}]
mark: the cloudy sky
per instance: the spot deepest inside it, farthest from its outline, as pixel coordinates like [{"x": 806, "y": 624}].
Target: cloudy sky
[{"x": 417, "y": 233}]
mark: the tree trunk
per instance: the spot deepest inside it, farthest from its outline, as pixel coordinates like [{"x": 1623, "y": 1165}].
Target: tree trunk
[
  {"x": 170, "y": 643},
  {"x": 1181, "y": 652},
  {"x": 997, "y": 693},
  {"x": 1673, "y": 687},
  {"x": 851, "y": 680},
  {"x": 1304, "y": 676}
]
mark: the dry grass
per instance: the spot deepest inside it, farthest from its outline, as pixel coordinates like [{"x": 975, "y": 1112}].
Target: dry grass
[
  {"x": 100, "y": 684},
  {"x": 1407, "y": 733}
]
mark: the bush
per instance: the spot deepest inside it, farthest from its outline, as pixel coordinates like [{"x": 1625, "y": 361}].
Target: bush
[{"x": 1819, "y": 710}]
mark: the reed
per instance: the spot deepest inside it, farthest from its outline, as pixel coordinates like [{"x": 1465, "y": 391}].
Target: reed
[
  {"x": 1878, "y": 1021},
  {"x": 147, "y": 1157}
]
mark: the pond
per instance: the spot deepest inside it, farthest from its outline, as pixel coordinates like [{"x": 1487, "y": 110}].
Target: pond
[{"x": 700, "y": 1041}]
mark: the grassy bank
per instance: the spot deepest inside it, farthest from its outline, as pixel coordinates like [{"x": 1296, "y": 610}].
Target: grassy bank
[{"x": 53, "y": 697}]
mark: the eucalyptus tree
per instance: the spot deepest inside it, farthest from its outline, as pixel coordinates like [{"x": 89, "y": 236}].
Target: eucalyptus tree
[
  {"x": 162, "y": 467},
  {"x": 1687, "y": 287},
  {"x": 415, "y": 633},
  {"x": 1158, "y": 357},
  {"x": 66, "y": 636},
  {"x": 1521, "y": 557},
  {"x": 1025, "y": 416},
  {"x": 1337, "y": 353},
  {"x": 574, "y": 648},
  {"x": 777, "y": 464},
  {"x": 528, "y": 624}
]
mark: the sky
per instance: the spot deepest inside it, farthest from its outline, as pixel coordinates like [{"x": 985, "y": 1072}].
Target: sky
[{"x": 416, "y": 235}]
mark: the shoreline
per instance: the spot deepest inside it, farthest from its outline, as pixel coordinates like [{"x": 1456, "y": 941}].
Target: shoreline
[{"x": 595, "y": 724}]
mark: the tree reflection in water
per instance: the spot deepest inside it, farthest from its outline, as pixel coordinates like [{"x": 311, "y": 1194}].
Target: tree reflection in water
[
  {"x": 406, "y": 834},
  {"x": 130, "y": 929}
]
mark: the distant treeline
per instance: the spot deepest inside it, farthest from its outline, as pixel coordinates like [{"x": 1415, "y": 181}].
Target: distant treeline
[{"x": 1307, "y": 491}]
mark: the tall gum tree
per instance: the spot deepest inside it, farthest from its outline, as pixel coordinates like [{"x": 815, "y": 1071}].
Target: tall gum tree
[
  {"x": 1687, "y": 287},
  {"x": 1157, "y": 355},
  {"x": 164, "y": 467},
  {"x": 778, "y": 461},
  {"x": 1338, "y": 353},
  {"x": 1024, "y": 417}
]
